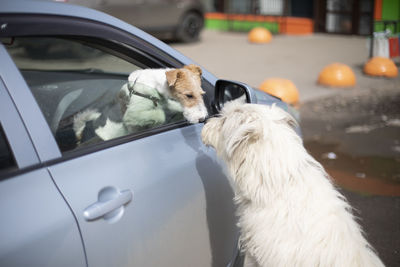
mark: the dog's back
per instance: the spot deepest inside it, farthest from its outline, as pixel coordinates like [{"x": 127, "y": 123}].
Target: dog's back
[
  {"x": 153, "y": 78},
  {"x": 308, "y": 223}
]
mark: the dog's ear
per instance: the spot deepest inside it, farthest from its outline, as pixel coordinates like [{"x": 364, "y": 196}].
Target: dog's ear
[
  {"x": 247, "y": 133},
  {"x": 173, "y": 76},
  {"x": 193, "y": 68}
]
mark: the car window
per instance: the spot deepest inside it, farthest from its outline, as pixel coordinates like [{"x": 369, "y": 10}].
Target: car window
[
  {"x": 82, "y": 90},
  {"x": 7, "y": 160}
]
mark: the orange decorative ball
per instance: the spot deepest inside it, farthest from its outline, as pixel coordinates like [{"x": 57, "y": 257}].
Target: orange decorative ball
[
  {"x": 259, "y": 35},
  {"x": 381, "y": 66},
  {"x": 337, "y": 75},
  {"x": 282, "y": 88}
]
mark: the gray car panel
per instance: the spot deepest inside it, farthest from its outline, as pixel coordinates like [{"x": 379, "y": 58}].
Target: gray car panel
[
  {"x": 31, "y": 115},
  {"x": 181, "y": 213},
  {"x": 23, "y": 151},
  {"x": 37, "y": 227}
]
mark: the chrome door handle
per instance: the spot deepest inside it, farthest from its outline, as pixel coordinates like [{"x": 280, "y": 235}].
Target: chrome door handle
[{"x": 109, "y": 200}]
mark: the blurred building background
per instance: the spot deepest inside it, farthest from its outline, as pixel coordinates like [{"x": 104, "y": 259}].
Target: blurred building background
[{"x": 357, "y": 17}]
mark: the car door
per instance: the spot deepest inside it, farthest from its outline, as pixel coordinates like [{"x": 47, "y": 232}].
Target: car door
[
  {"x": 156, "y": 197},
  {"x": 37, "y": 226},
  {"x": 176, "y": 213}
]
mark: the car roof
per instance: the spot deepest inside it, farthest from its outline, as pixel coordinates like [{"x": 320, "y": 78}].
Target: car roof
[{"x": 43, "y": 7}]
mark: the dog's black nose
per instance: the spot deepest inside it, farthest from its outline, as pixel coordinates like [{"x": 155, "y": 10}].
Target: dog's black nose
[{"x": 204, "y": 120}]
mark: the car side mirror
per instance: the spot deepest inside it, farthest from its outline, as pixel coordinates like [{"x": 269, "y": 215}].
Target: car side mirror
[{"x": 226, "y": 91}]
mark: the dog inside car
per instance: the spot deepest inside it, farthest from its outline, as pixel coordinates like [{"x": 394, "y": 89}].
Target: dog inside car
[
  {"x": 147, "y": 100},
  {"x": 289, "y": 212}
]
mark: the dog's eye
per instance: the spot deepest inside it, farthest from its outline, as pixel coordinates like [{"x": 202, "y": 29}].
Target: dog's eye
[{"x": 189, "y": 96}]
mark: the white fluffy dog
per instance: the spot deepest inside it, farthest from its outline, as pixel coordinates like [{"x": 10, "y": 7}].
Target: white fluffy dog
[{"x": 289, "y": 212}]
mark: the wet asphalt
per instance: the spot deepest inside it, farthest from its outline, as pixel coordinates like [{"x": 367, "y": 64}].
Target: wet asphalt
[
  {"x": 357, "y": 140},
  {"x": 354, "y": 132}
]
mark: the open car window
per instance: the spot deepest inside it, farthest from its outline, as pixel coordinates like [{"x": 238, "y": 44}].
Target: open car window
[{"x": 81, "y": 89}]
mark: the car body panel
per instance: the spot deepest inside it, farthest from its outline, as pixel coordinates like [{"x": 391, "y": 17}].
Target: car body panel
[
  {"x": 37, "y": 227},
  {"x": 43, "y": 141},
  {"x": 15, "y": 131},
  {"x": 181, "y": 213}
]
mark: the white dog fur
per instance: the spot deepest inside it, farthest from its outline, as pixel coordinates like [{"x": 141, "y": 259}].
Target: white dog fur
[{"x": 290, "y": 213}]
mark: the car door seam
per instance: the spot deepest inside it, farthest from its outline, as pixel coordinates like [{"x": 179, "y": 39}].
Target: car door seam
[{"x": 73, "y": 214}]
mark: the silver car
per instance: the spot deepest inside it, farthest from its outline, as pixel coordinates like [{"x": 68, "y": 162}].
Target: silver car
[
  {"x": 181, "y": 20},
  {"x": 154, "y": 197}
]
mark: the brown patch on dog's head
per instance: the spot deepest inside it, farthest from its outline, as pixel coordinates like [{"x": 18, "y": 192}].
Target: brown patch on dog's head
[
  {"x": 195, "y": 69},
  {"x": 185, "y": 86}
]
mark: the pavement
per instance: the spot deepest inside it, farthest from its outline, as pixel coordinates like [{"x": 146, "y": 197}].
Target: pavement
[
  {"x": 354, "y": 132},
  {"x": 297, "y": 58}
]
